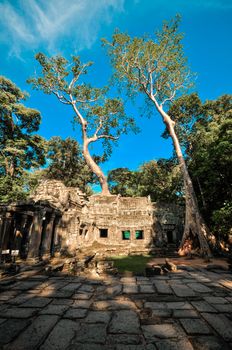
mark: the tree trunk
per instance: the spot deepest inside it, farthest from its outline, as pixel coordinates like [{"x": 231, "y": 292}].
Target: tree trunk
[
  {"x": 89, "y": 160},
  {"x": 194, "y": 224},
  {"x": 96, "y": 169}
]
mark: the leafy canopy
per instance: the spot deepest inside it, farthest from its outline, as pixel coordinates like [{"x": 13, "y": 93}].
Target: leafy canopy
[
  {"x": 155, "y": 65},
  {"x": 99, "y": 117},
  {"x": 158, "y": 179},
  {"x": 20, "y": 147}
]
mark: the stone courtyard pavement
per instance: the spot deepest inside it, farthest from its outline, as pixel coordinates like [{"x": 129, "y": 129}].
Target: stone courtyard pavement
[{"x": 188, "y": 309}]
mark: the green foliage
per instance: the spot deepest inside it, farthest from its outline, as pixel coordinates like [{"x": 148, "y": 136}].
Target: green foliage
[
  {"x": 124, "y": 182},
  {"x": 100, "y": 118},
  {"x": 207, "y": 138},
  {"x": 20, "y": 148},
  {"x": 66, "y": 163},
  {"x": 160, "y": 180},
  {"x": 155, "y": 65},
  {"x": 221, "y": 219}
]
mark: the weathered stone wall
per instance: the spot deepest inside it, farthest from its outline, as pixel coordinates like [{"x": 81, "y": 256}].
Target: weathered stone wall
[{"x": 62, "y": 219}]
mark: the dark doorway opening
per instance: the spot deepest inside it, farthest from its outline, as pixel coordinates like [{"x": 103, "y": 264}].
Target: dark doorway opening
[
  {"x": 170, "y": 236},
  {"x": 103, "y": 232}
]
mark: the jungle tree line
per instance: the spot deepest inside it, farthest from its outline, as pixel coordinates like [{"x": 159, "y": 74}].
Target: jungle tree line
[{"x": 157, "y": 68}]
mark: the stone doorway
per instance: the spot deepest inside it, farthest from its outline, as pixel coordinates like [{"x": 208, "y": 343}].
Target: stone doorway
[{"x": 170, "y": 237}]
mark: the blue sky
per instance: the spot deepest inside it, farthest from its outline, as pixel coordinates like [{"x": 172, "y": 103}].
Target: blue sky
[{"x": 76, "y": 26}]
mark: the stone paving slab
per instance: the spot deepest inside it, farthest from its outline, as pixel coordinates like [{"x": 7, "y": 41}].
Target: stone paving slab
[
  {"x": 183, "y": 344},
  {"x": 91, "y": 333},
  {"x": 17, "y": 312},
  {"x": 203, "y": 306},
  {"x": 221, "y": 324},
  {"x": 159, "y": 331},
  {"x": 54, "y": 309},
  {"x": 125, "y": 321},
  {"x": 187, "y": 310},
  {"x": 195, "y": 326},
  {"x": 61, "y": 335},
  {"x": 209, "y": 343},
  {"x": 162, "y": 287},
  {"x": 35, "y": 334},
  {"x": 10, "y": 329}
]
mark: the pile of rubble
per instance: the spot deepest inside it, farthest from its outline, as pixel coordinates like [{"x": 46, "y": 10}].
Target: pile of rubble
[
  {"x": 84, "y": 265},
  {"x": 160, "y": 269}
]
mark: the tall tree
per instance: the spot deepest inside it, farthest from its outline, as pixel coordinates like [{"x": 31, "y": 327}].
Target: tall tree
[
  {"x": 66, "y": 163},
  {"x": 158, "y": 179},
  {"x": 207, "y": 139},
  {"x": 158, "y": 69},
  {"x": 124, "y": 181},
  {"x": 20, "y": 148},
  {"x": 99, "y": 118}
]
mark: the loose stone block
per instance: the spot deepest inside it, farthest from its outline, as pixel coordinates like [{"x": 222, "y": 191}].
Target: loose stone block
[
  {"x": 195, "y": 326},
  {"x": 221, "y": 324},
  {"x": 35, "y": 334},
  {"x": 125, "y": 322},
  {"x": 61, "y": 335}
]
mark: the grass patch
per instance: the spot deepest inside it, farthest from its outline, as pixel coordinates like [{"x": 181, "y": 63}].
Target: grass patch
[{"x": 133, "y": 263}]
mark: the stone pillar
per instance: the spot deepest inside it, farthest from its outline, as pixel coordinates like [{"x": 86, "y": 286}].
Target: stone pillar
[
  {"x": 46, "y": 248},
  {"x": 19, "y": 231},
  {"x": 2, "y": 226},
  {"x": 35, "y": 236},
  {"x": 55, "y": 240},
  {"x": 6, "y": 231}
]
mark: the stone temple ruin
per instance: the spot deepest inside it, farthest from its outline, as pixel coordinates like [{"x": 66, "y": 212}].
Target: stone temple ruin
[{"x": 63, "y": 220}]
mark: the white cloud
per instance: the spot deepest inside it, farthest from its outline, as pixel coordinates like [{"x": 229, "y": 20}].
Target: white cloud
[{"x": 38, "y": 23}]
